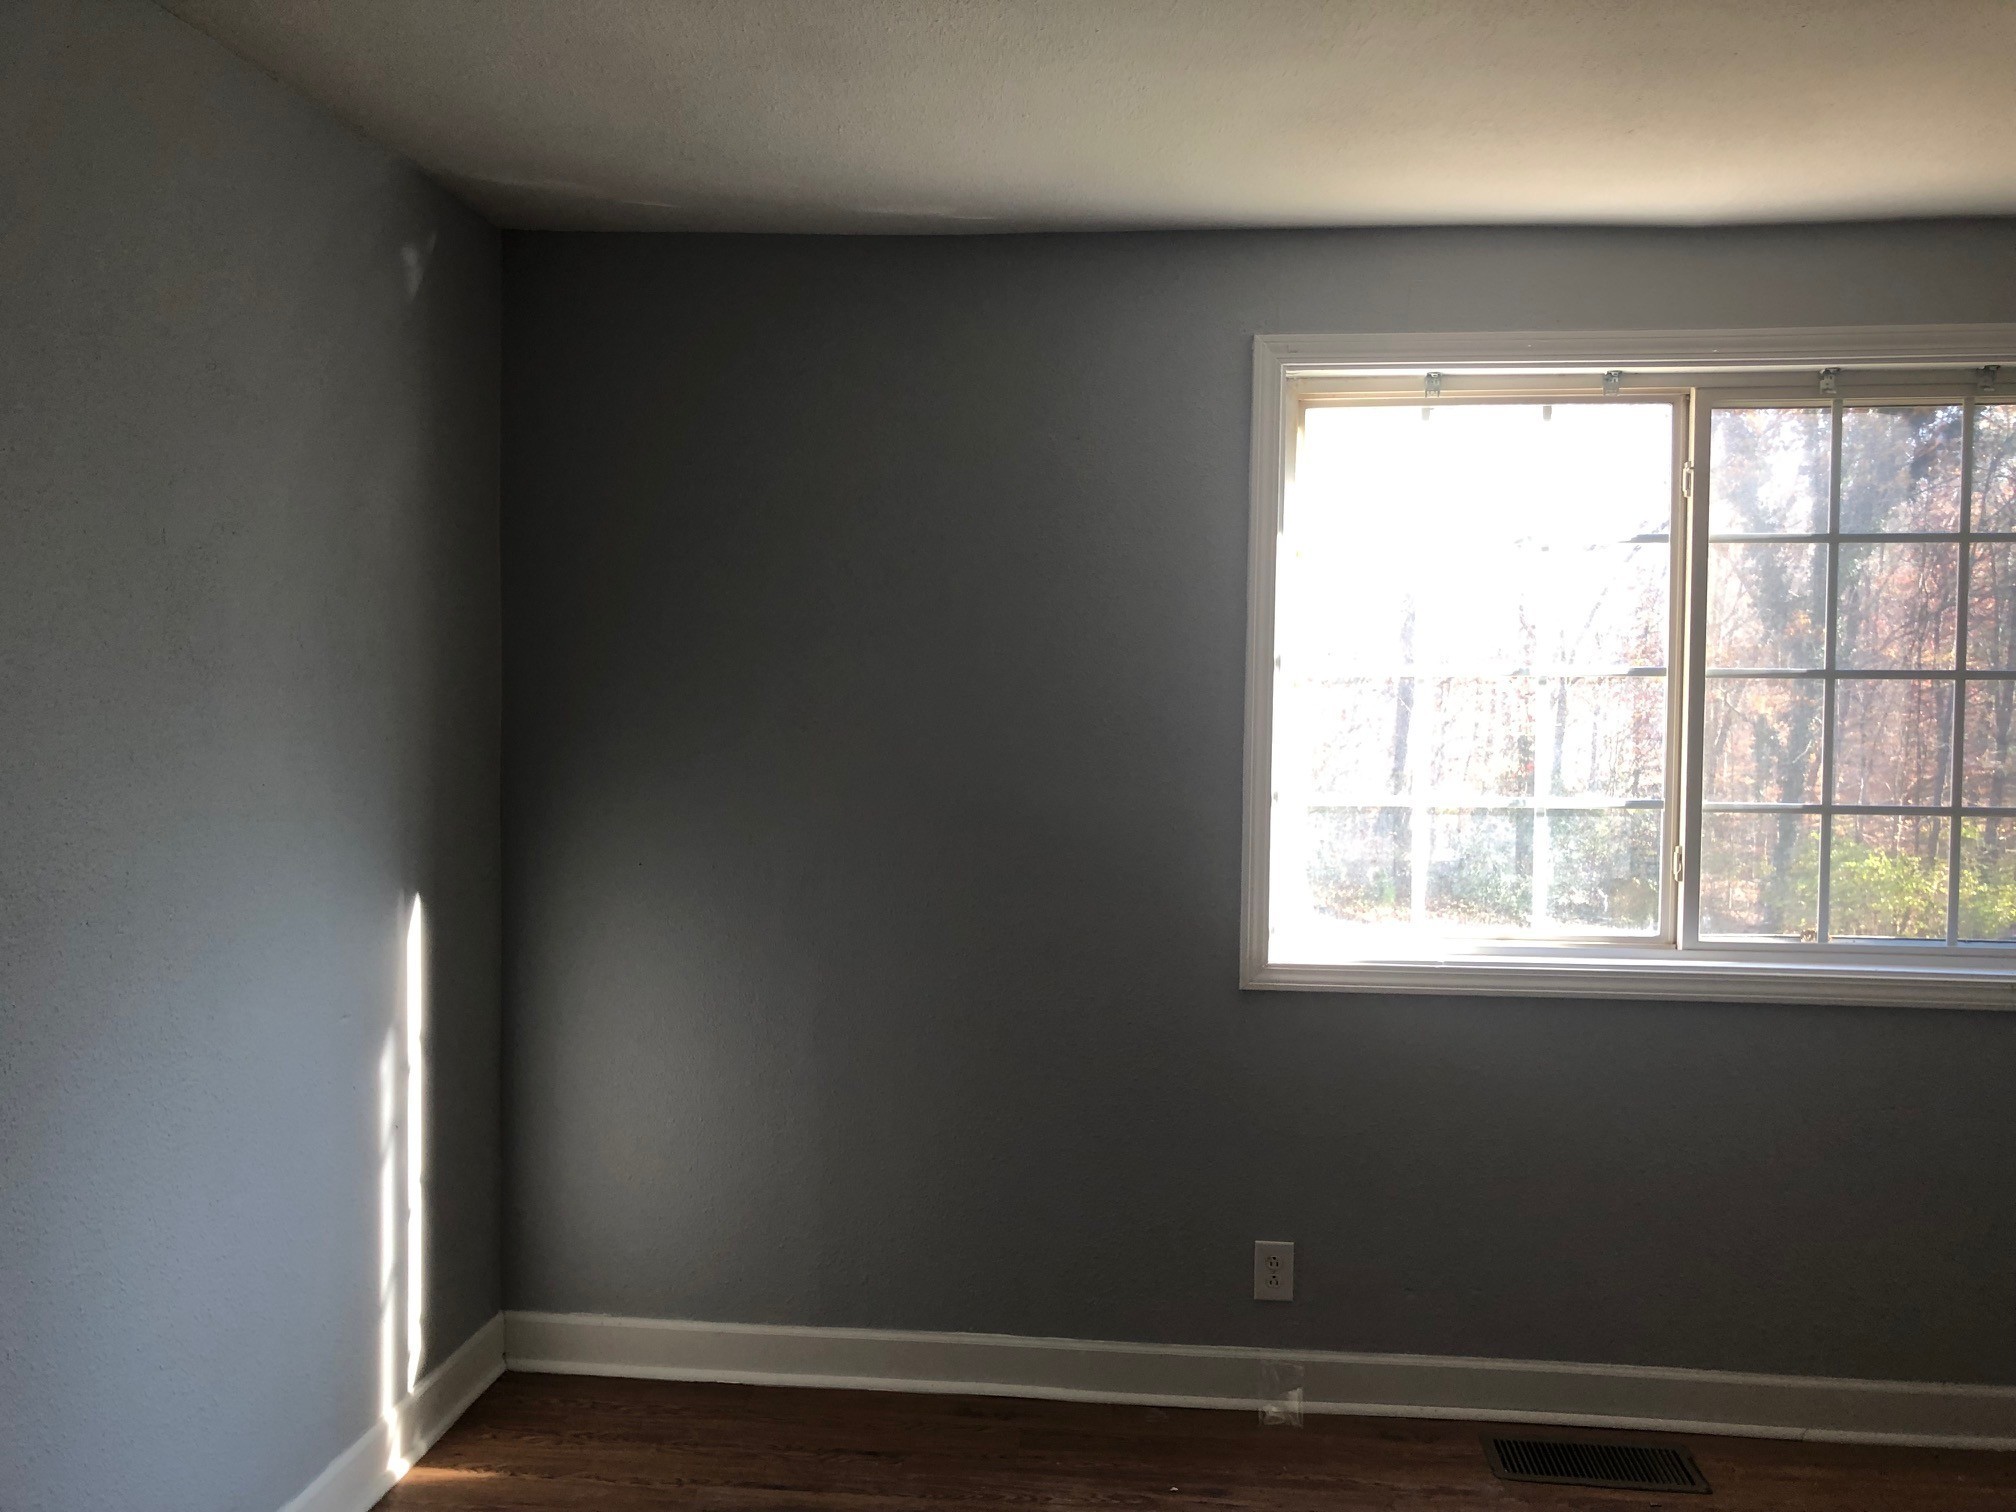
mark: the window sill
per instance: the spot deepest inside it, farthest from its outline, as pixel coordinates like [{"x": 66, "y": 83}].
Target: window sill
[{"x": 1695, "y": 976}]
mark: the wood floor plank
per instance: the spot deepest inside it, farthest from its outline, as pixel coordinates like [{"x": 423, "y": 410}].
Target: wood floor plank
[{"x": 543, "y": 1443}]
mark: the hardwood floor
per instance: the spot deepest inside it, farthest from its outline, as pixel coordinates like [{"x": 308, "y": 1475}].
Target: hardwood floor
[{"x": 571, "y": 1443}]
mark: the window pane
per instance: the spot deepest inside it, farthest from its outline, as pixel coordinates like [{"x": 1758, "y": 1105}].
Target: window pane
[
  {"x": 1763, "y": 739},
  {"x": 1900, "y": 468},
  {"x": 1367, "y": 626},
  {"x": 1469, "y": 605},
  {"x": 1988, "y": 758},
  {"x": 1604, "y": 870},
  {"x": 1995, "y": 467},
  {"x": 1358, "y": 734},
  {"x": 1480, "y": 738},
  {"x": 1898, "y": 605},
  {"x": 1480, "y": 869},
  {"x": 1893, "y": 741},
  {"x": 1429, "y": 574},
  {"x": 1769, "y": 471},
  {"x": 1760, "y": 874},
  {"x": 1360, "y": 864},
  {"x": 1889, "y": 877},
  {"x": 1605, "y": 736},
  {"x": 1988, "y": 879},
  {"x": 1767, "y": 605},
  {"x": 1604, "y": 605},
  {"x": 1991, "y": 606},
  {"x": 1429, "y": 543},
  {"x": 1546, "y": 473},
  {"x": 1342, "y": 610}
]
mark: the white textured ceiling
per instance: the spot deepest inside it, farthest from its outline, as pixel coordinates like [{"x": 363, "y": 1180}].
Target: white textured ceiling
[{"x": 999, "y": 115}]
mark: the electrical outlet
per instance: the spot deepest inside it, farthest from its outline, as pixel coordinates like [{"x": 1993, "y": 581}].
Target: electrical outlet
[{"x": 1273, "y": 1270}]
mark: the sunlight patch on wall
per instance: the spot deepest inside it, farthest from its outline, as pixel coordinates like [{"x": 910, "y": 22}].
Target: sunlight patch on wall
[
  {"x": 416, "y": 1086},
  {"x": 402, "y": 1191}
]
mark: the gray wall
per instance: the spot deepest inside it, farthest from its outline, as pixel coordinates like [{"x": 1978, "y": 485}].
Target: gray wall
[
  {"x": 874, "y": 641},
  {"x": 248, "y": 703}
]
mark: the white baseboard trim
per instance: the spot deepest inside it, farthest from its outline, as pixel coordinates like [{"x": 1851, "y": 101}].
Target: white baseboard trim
[
  {"x": 361, "y": 1474},
  {"x": 1175, "y": 1375}
]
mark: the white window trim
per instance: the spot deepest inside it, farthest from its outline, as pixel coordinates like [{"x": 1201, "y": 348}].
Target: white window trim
[{"x": 1687, "y": 972}]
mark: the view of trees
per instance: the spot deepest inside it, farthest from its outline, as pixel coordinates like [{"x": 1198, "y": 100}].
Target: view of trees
[
  {"x": 1896, "y": 610},
  {"x": 1472, "y": 710},
  {"x": 1475, "y": 677}
]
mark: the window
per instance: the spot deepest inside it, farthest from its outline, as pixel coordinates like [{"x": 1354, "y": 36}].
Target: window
[{"x": 1634, "y": 678}]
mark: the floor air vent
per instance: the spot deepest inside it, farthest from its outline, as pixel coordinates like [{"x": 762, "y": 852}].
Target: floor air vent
[{"x": 1594, "y": 1462}]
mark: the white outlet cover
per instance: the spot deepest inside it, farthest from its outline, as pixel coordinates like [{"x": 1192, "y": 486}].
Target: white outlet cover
[{"x": 1273, "y": 1270}]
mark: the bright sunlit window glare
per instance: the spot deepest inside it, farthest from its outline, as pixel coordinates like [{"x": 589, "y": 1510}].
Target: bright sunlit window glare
[
  {"x": 1474, "y": 605},
  {"x": 1539, "y": 694}
]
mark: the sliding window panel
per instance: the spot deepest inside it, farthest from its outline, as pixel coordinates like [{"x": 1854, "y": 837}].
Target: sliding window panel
[{"x": 1472, "y": 608}]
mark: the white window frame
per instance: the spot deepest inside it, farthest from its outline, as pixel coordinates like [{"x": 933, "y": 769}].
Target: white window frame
[{"x": 1286, "y": 369}]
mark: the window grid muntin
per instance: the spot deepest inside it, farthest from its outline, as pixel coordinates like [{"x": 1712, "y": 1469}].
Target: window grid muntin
[
  {"x": 1963, "y": 578},
  {"x": 1830, "y": 694}
]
